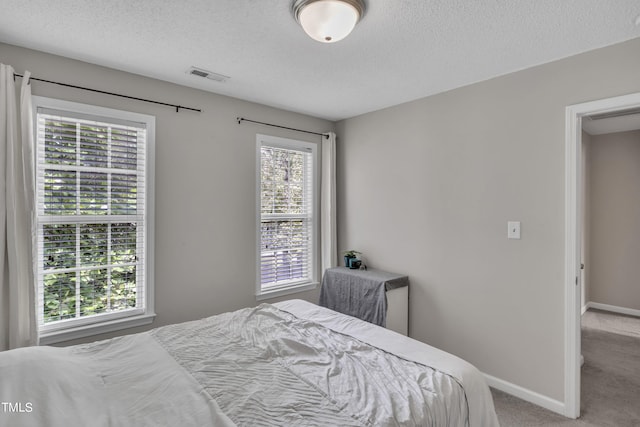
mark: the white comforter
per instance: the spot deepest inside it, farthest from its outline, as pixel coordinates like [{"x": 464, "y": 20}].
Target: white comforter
[
  {"x": 480, "y": 401},
  {"x": 261, "y": 366},
  {"x": 127, "y": 381}
]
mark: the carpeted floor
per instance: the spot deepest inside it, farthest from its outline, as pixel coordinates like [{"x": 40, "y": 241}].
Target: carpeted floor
[{"x": 610, "y": 394}]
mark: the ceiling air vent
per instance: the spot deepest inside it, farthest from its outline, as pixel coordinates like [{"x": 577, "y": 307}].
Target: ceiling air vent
[{"x": 207, "y": 74}]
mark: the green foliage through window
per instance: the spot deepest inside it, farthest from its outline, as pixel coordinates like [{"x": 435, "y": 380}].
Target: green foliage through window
[{"x": 89, "y": 221}]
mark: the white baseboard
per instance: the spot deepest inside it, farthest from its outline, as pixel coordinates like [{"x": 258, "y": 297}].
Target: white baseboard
[
  {"x": 526, "y": 394},
  {"x": 613, "y": 308}
]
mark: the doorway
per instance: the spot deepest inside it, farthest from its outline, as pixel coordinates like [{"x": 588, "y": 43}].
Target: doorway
[{"x": 575, "y": 114}]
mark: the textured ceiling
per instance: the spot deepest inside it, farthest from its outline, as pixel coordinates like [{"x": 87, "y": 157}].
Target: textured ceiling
[{"x": 401, "y": 50}]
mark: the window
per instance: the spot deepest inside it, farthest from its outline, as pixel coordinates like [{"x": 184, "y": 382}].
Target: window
[
  {"x": 94, "y": 219},
  {"x": 288, "y": 216}
]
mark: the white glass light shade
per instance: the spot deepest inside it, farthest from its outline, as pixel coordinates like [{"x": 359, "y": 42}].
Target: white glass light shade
[{"x": 328, "y": 21}]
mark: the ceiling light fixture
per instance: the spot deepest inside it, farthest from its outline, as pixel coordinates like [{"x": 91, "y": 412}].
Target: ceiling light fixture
[{"x": 328, "y": 21}]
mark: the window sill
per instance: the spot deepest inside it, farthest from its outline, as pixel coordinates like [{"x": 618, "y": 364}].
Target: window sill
[
  {"x": 47, "y": 338},
  {"x": 286, "y": 291}
]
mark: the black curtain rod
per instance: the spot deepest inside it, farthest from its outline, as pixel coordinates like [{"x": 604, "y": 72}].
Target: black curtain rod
[
  {"x": 242, "y": 119},
  {"x": 177, "y": 107}
]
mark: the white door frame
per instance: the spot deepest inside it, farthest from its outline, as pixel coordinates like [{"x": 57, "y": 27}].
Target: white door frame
[{"x": 573, "y": 237}]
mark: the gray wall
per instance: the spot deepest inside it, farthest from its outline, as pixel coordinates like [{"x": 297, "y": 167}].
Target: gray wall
[
  {"x": 205, "y": 180},
  {"x": 427, "y": 190},
  {"x": 586, "y": 218},
  {"x": 614, "y": 226}
]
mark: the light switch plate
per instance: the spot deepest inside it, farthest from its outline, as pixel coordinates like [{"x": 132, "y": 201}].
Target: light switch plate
[{"x": 513, "y": 229}]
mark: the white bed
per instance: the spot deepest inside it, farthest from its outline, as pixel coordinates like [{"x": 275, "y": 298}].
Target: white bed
[{"x": 291, "y": 364}]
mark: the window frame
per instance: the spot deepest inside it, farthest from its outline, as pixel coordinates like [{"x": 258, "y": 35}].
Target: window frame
[
  {"x": 313, "y": 281},
  {"x": 108, "y": 322}
]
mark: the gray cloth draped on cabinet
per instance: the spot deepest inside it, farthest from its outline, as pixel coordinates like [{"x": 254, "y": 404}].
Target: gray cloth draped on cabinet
[{"x": 359, "y": 293}]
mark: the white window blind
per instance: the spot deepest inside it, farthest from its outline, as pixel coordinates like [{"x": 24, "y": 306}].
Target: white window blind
[
  {"x": 288, "y": 214},
  {"x": 91, "y": 218}
]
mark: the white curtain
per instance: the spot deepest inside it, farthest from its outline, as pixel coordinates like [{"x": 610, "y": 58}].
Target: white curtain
[
  {"x": 18, "y": 326},
  {"x": 328, "y": 226}
]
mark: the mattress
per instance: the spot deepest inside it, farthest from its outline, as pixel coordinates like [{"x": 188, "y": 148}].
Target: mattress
[{"x": 290, "y": 364}]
